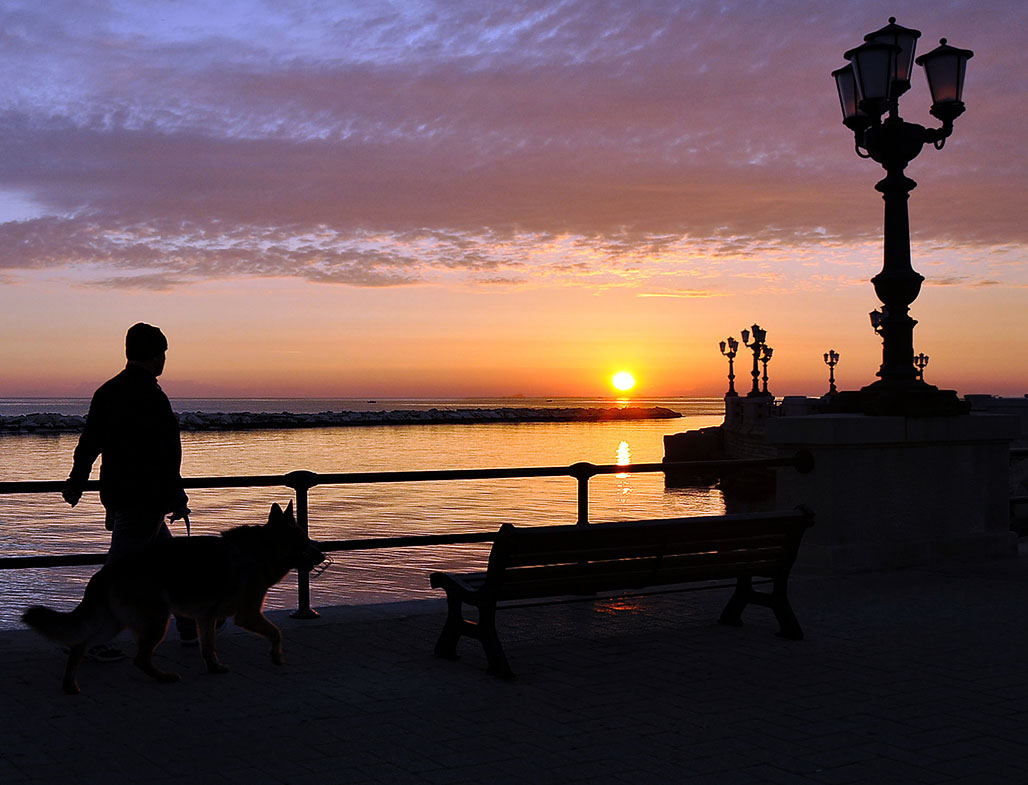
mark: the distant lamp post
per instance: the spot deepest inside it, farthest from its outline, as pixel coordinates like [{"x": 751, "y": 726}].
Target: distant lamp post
[
  {"x": 921, "y": 361},
  {"x": 877, "y": 320},
  {"x": 831, "y": 360},
  {"x": 729, "y": 348},
  {"x": 765, "y": 358},
  {"x": 870, "y": 86},
  {"x": 756, "y": 346}
]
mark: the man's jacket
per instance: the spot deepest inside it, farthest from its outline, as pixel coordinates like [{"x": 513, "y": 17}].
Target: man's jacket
[{"x": 130, "y": 422}]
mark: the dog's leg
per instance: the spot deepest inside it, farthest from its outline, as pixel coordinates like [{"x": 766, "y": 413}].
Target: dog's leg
[
  {"x": 75, "y": 656},
  {"x": 255, "y": 621},
  {"x": 207, "y": 627},
  {"x": 148, "y": 635}
]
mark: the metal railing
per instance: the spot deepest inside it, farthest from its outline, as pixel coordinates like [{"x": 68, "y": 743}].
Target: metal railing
[{"x": 302, "y": 481}]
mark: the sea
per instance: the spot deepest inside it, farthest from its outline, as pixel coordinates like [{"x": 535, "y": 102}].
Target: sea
[{"x": 44, "y": 524}]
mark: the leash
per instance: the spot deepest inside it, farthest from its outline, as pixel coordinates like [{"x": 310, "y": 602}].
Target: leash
[{"x": 319, "y": 568}]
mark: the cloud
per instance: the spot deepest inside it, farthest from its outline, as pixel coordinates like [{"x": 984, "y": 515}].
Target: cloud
[
  {"x": 687, "y": 295},
  {"x": 482, "y": 142},
  {"x": 963, "y": 280}
]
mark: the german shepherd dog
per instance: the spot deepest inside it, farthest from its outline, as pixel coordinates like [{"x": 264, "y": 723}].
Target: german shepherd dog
[{"x": 205, "y": 578}]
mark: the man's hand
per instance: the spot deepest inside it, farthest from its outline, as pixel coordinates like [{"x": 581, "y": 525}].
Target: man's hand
[
  {"x": 180, "y": 512},
  {"x": 180, "y": 508},
  {"x": 71, "y": 494}
]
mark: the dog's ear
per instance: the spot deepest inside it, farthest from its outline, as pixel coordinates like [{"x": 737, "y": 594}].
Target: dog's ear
[{"x": 279, "y": 518}]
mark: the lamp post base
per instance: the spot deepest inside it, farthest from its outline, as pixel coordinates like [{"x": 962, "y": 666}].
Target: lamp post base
[{"x": 909, "y": 399}]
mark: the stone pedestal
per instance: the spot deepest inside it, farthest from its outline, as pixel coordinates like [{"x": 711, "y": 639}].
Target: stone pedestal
[{"x": 899, "y": 491}]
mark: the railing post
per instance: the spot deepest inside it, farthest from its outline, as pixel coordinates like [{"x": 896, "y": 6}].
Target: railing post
[
  {"x": 582, "y": 472},
  {"x": 301, "y": 482}
]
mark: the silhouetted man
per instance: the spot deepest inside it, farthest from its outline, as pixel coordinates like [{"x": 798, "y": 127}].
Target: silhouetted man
[{"x": 130, "y": 423}]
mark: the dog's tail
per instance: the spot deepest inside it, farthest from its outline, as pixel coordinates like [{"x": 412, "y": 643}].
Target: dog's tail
[{"x": 72, "y": 627}]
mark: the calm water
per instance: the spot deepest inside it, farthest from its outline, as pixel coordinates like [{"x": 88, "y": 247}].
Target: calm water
[{"x": 32, "y": 524}]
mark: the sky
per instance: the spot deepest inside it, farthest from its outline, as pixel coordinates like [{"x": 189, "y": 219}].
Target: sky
[{"x": 435, "y": 199}]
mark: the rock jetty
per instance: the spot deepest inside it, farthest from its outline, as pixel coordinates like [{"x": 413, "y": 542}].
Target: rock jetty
[{"x": 249, "y": 421}]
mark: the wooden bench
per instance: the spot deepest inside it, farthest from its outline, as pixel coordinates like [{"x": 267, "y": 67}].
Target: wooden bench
[{"x": 548, "y": 561}]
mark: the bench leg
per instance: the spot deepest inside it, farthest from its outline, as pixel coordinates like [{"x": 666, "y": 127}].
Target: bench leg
[
  {"x": 732, "y": 614},
  {"x": 790, "y": 626},
  {"x": 498, "y": 665},
  {"x": 446, "y": 646}
]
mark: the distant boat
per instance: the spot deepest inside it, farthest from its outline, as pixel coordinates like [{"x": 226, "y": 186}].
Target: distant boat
[{"x": 372, "y": 401}]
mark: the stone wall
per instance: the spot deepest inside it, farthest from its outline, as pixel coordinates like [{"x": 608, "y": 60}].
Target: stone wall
[{"x": 894, "y": 491}]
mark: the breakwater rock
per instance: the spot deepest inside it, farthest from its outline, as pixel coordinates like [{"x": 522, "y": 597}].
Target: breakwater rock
[{"x": 249, "y": 421}]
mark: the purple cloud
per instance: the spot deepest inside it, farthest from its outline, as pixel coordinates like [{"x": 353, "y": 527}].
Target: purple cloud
[{"x": 429, "y": 140}]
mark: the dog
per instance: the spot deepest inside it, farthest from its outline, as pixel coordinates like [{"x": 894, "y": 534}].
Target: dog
[{"x": 206, "y": 578}]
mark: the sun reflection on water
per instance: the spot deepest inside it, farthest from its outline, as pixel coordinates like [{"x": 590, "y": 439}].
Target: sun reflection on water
[
  {"x": 624, "y": 458},
  {"x": 622, "y": 480}
]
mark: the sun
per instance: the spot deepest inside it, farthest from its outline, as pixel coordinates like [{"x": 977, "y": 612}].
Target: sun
[{"x": 623, "y": 381}]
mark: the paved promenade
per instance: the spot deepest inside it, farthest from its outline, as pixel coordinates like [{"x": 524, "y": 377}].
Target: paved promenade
[{"x": 914, "y": 676}]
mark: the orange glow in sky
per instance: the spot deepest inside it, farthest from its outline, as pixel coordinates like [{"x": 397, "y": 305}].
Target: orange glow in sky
[{"x": 468, "y": 199}]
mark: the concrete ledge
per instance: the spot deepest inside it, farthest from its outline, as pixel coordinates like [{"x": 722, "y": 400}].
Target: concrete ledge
[{"x": 863, "y": 430}]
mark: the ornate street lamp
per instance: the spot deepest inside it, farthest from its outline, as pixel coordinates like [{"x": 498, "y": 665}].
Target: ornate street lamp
[
  {"x": 756, "y": 346},
  {"x": 869, "y": 87},
  {"x": 765, "y": 358},
  {"x": 831, "y": 360},
  {"x": 729, "y": 348},
  {"x": 921, "y": 361},
  {"x": 904, "y": 40},
  {"x": 877, "y": 320}
]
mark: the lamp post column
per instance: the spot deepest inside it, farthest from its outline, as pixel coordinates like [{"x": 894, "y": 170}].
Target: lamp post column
[
  {"x": 898, "y": 284},
  {"x": 756, "y": 370},
  {"x": 921, "y": 361},
  {"x": 729, "y": 348},
  {"x": 756, "y": 346},
  {"x": 765, "y": 358},
  {"x": 831, "y": 360}
]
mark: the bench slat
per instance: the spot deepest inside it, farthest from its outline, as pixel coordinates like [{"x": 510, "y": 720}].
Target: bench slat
[
  {"x": 624, "y": 579},
  {"x": 658, "y": 564},
  {"x": 514, "y": 556},
  {"x": 525, "y": 544},
  {"x": 603, "y": 576}
]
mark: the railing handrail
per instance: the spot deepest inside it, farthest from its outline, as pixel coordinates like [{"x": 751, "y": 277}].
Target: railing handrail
[
  {"x": 308, "y": 479},
  {"x": 302, "y": 481}
]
